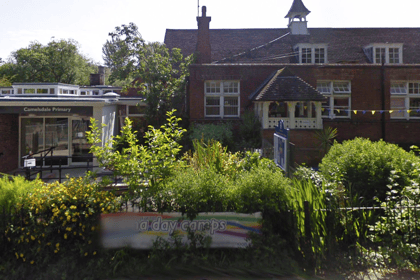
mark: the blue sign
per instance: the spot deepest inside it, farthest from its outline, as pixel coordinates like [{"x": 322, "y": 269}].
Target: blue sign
[{"x": 281, "y": 140}]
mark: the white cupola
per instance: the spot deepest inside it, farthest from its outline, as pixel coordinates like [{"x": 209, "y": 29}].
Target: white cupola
[{"x": 297, "y": 18}]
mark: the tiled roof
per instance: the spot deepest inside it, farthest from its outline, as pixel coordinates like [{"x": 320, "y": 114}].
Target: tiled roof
[
  {"x": 283, "y": 85},
  {"x": 344, "y": 45}
]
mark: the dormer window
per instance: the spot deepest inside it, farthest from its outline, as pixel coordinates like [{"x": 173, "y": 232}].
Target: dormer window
[
  {"x": 311, "y": 53},
  {"x": 384, "y": 53}
]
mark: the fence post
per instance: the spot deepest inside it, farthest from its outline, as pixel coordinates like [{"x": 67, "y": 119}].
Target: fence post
[
  {"x": 59, "y": 170},
  {"x": 309, "y": 255}
]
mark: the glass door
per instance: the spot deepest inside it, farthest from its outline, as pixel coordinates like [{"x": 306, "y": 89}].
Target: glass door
[
  {"x": 39, "y": 134},
  {"x": 32, "y": 138},
  {"x": 57, "y": 136},
  {"x": 79, "y": 142}
]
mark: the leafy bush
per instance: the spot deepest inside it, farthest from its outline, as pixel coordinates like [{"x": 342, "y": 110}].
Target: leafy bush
[
  {"x": 395, "y": 232},
  {"x": 364, "y": 167},
  {"x": 193, "y": 191},
  {"x": 250, "y": 131},
  {"x": 12, "y": 191},
  {"x": 221, "y": 132},
  {"x": 57, "y": 218}
]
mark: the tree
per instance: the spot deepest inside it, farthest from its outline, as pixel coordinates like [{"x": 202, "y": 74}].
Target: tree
[
  {"x": 57, "y": 62},
  {"x": 157, "y": 73},
  {"x": 142, "y": 167}
]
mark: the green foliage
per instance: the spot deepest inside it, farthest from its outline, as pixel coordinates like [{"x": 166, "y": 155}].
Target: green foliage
[
  {"x": 12, "y": 192},
  {"x": 221, "y": 132},
  {"x": 158, "y": 74},
  {"x": 315, "y": 197},
  {"x": 141, "y": 166},
  {"x": 58, "y": 62},
  {"x": 250, "y": 131},
  {"x": 56, "y": 219},
  {"x": 396, "y": 231},
  {"x": 212, "y": 155},
  {"x": 325, "y": 138},
  {"x": 366, "y": 166}
]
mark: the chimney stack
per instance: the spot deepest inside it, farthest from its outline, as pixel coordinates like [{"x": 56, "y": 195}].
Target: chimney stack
[
  {"x": 98, "y": 79},
  {"x": 203, "y": 48}
]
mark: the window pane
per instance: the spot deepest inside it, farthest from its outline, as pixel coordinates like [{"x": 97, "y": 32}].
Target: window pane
[
  {"x": 398, "y": 105},
  {"x": 41, "y": 90},
  {"x": 399, "y": 88},
  {"x": 231, "y": 106},
  {"x": 341, "y": 87},
  {"x": 413, "y": 88},
  {"x": 212, "y": 106},
  {"x": 319, "y": 55},
  {"x": 324, "y": 87},
  {"x": 212, "y": 87},
  {"x": 379, "y": 55},
  {"x": 306, "y": 55},
  {"x": 394, "y": 55},
  {"x": 29, "y": 90},
  {"x": 230, "y": 87},
  {"x": 51, "y": 90},
  {"x": 415, "y": 107}
]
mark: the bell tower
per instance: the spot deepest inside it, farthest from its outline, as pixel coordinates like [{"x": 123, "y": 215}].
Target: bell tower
[{"x": 297, "y": 18}]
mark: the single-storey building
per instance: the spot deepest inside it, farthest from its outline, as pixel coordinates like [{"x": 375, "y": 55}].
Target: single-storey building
[{"x": 35, "y": 117}]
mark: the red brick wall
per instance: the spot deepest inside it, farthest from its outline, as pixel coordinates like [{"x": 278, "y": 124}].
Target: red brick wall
[
  {"x": 366, "y": 94},
  {"x": 9, "y": 142}
]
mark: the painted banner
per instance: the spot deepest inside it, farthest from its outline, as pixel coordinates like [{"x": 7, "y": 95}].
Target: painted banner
[{"x": 140, "y": 230}]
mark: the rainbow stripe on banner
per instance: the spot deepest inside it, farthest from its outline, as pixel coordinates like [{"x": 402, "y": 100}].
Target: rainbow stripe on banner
[{"x": 140, "y": 230}]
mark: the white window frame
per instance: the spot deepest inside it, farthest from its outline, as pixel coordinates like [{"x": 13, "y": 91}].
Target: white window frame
[
  {"x": 405, "y": 91},
  {"x": 371, "y": 52},
  {"x": 220, "y": 90},
  {"x": 332, "y": 90},
  {"x": 302, "y": 50}
]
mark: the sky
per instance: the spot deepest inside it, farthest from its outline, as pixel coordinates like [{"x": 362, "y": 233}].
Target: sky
[{"x": 89, "y": 21}]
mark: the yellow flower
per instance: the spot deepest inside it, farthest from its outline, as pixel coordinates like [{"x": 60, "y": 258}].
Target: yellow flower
[
  {"x": 17, "y": 256},
  {"x": 32, "y": 237},
  {"x": 57, "y": 245},
  {"x": 90, "y": 241},
  {"x": 32, "y": 262},
  {"x": 21, "y": 255},
  {"x": 65, "y": 236},
  {"x": 93, "y": 228},
  {"x": 73, "y": 207},
  {"x": 55, "y": 251},
  {"x": 68, "y": 228},
  {"x": 86, "y": 254},
  {"x": 74, "y": 233},
  {"x": 94, "y": 253}
]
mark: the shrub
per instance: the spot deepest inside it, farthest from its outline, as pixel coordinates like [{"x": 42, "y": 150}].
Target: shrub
[
  {"x": 57, "y": 218},
  {"x": 192, "y": 191},
  {"x": 12, "y": 191},
  {"x": 364, "y": 167},
  {"x": 221, "y": 132},
  {"x": 250, "y": 131}
]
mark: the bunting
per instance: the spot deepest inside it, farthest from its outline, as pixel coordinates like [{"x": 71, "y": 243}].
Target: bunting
[{"x": 373, "y": 112}]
